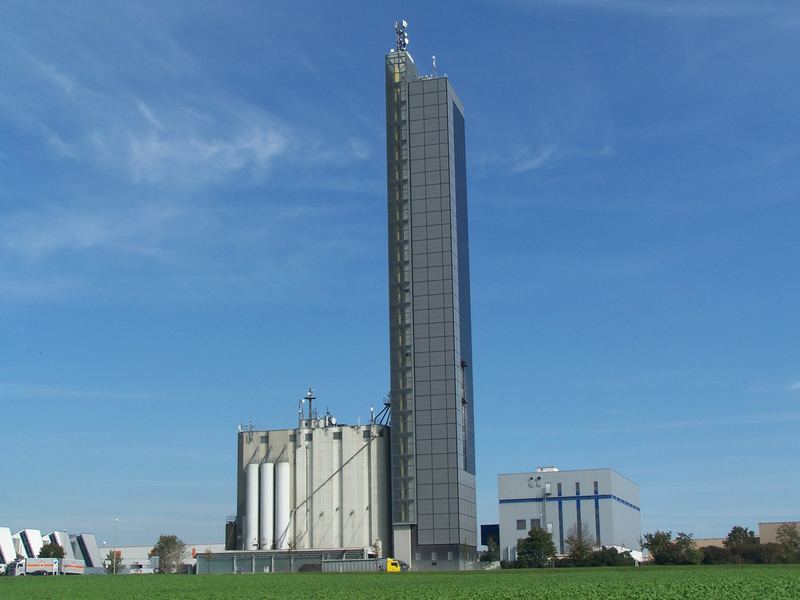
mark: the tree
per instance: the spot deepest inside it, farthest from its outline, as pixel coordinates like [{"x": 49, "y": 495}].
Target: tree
[
  {"x": 738, "y": 540},
  {"x": 611, "y": 557},
  {"x": 169, "y": 550},
  {"x": 659, "y": 545},
  {"x": 51, "y": 550},
  {"x": 764, "y": 554},
  {"x": 788, "y": 536},
  {"x": 666, "y": 551},
  {"x": 714, "y": 555},
  {"x": 113, "y": 562},
  {"x": 580, "y": 544},
  {"x": 536, "y": 549},
  {"x": 492, "y": 552},
  {"x": 686, "y": 553}
]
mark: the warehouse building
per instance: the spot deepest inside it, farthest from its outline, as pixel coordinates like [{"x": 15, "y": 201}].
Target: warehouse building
[
  {"x": 768, "y": 531},
  {"x": 559, "y": 501}
]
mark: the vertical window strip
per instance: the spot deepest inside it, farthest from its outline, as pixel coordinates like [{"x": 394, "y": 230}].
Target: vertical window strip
[{"x": 597, "y": 520}]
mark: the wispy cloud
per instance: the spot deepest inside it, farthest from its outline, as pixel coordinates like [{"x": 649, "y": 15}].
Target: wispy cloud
[
  {"x": 523, "y": 158},
  {"x": 51, "y": 73},
  {"x": 193, "y": 157},
  {"x": 137, "y": 228},
  {"x": 113, "y": 250},
  {"x": 607, "y": 150},
  {"x": 149, "y": 116},
  {"x": 526, "y": 159},
  {"x": 194, "y": 135},
  {"x": 159, "y": 160}
]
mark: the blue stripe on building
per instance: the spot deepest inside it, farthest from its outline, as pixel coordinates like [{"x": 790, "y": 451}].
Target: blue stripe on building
[{"x": 576, "y": 498}]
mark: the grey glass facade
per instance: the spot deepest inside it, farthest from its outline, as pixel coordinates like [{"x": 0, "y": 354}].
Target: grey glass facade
[{"x": 433, "y": 442}]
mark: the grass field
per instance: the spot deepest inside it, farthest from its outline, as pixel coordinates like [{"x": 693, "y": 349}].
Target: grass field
[{"x": 656, "y": 583}]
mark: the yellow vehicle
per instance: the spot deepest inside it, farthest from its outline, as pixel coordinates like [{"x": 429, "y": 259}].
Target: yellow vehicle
[{"x": 392, "y": 565}]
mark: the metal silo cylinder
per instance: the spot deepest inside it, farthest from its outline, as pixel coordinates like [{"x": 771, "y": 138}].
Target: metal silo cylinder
[
  {"x": 282, "y": 507},
  {"x": 251, "y": 508},
  {"x": 267, "y": 531}
]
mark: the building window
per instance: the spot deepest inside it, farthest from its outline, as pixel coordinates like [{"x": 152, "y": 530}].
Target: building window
[
  {"x": 309, "y": 437},
  {"x": 536, "y": 523},
  {"x": 596, "y": 514},
  {"x": 449, "y": 556},
  {"x": 263, "y": 439},
  {"x": 337, "y": 435},
  {"x": 577, "y": 488},
  {"x": 520, "y": 524},
  {"x": 558, "y": 489},
  {"x": 550, "y": 528}
]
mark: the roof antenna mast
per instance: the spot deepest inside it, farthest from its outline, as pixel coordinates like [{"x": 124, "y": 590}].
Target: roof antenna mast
[{"x": 402, "y": 37}]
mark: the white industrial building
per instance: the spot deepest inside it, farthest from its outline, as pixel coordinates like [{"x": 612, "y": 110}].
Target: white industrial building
[
  {"x": 27, "y": 543},
  {"x": 321, "y": 485},
  {"x": 559, "y": 501}
]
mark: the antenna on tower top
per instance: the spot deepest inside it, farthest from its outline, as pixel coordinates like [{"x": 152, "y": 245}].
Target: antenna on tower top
[
  {"x": 434, "y": 66},
  {"x": 402, "y": 37},
  {"x": 310, "y": 397}
]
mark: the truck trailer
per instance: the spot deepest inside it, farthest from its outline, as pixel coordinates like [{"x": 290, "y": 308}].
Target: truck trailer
[
  {"x": 45, "y": 566},
  {"x": 387, "y": 565}
]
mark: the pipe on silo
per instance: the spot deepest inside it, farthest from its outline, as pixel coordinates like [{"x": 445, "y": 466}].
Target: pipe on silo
[
  {"x": 282, "y": 508},
  {"x": 267, "y": 531},
  {"x": 251, "y": 508}
]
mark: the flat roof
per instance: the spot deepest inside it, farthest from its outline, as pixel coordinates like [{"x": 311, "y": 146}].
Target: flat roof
[{"x": 570, "y": 471}]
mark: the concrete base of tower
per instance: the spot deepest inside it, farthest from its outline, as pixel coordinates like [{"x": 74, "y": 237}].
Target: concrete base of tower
[
  {"x": 451, "y": 557},
  {"x": 402, "y": 543},
  {"x": 433, "y": 557}
]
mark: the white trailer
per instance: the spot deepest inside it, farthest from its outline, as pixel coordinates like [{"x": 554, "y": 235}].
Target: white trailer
[
  {"x": 45, "y": 566},
  {"x": 71, "y": 566}
]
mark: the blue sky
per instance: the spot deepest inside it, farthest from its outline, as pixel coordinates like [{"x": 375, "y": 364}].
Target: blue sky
[{"x": 192, "y": 232}]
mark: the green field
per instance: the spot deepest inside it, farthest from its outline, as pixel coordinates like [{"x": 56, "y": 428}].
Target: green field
[{"x": 656, "y": 583}]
